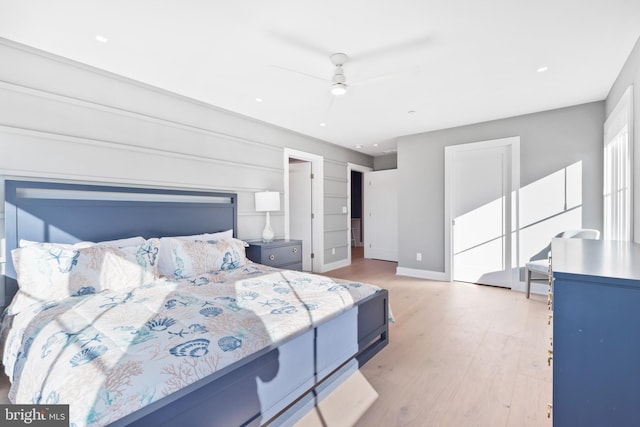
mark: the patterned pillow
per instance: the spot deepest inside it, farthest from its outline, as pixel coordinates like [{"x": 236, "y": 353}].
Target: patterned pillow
[
  {"x": 165, "y": 258},
  {"x": 127, "y": 241},
  {"x": 47, "y": 271},
  {"x": 194, "y": 257}
]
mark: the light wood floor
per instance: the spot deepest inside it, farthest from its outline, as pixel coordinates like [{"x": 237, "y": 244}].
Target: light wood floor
[{"x": 459, "y": 354}]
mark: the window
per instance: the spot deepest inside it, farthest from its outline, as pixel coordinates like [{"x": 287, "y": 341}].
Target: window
[{"x": 618, "y": 170}]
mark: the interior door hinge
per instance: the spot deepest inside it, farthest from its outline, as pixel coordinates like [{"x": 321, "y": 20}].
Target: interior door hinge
[
  {"x": 312, "y": 216},
  {"x": 312, "y": 255},
  {"x": 312, "y": 176}
]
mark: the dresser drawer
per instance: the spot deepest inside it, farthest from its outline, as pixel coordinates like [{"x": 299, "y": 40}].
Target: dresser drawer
[{"x": 283, "y": 255}]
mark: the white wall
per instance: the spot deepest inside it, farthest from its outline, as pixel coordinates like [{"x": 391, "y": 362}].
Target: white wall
[{"x": 66, "y": 121}]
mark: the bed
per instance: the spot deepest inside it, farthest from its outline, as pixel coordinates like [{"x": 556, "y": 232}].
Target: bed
[{"x": 157, "y": 351}]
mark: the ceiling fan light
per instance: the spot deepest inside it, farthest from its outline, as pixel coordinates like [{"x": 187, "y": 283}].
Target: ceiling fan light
[{"x": 338, "y": 88}]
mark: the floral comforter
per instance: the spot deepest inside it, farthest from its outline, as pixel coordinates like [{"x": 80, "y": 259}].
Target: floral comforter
[{"x": 111, "y": 353}]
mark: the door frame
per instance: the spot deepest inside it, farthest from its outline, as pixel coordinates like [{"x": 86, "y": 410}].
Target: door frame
[
  {"x": 362, "y": 169},
  {"x": 449, "y": 151},
  {"x": 317, "y": 203}
]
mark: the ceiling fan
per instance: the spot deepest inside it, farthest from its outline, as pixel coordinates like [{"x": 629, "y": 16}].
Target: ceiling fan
[
  {"x": 339, "y": 82},
  {"x": 394, "y": 52}
]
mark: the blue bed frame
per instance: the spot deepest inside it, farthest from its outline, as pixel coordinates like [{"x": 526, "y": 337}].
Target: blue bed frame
[{"x": 276, "y": 385}]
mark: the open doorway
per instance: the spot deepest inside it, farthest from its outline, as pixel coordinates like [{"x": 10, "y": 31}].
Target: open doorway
[
  {"x": 357, "y": 229},
  {"x": 357, "y": 223},
  {"x": 300, "y": 212},
  {"x": 481, "y": 212},
  {"x": 303, "y": 205}
]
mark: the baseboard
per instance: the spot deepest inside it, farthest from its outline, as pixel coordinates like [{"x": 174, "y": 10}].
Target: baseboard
[
  {"x": 336, "y": 265},
  {"x": 422, "y": 274}
]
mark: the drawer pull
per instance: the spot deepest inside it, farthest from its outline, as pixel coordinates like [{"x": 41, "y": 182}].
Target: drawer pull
[
  {"x": 550, "y": 358},
  {"x": 549, "y": 319},
  {"x": 272, "y": 257},
  {"x": 549, "y": 408},
  {"x": 295, "y": 250}
]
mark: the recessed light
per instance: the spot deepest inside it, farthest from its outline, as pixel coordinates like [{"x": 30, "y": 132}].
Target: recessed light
[
  {"x": 412, "y": 111},
  {"x": 258, "y": 99},
  {"x": 542, "y": 69},
  {"x": 359, "y": 146},
  {"x": 101, "y": 39},
  {"x": 375, "y": 145},
  {"x": 323, "y": 124}
]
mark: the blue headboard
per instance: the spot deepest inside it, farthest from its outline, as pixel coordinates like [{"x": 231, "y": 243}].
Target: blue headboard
[{"x": 68, "y": 213}]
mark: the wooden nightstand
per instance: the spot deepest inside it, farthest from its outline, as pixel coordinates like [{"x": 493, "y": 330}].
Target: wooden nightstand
[{"x": 280, "y": 253}]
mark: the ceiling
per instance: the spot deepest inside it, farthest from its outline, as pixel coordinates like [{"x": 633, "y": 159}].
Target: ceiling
[{"x": 414, "y": 65}]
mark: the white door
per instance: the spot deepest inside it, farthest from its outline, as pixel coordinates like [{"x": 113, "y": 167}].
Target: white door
[
  {"x": 380, "y": 215},
  {"x": 481, "y": 214},
  {"x": 300, "y": 196}
]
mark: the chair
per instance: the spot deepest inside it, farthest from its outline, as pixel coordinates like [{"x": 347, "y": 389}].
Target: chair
[{"x": 542, "y": 266}]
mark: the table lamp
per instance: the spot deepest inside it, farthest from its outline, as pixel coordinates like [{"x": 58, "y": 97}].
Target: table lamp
[{"x": 267, "y": 201}]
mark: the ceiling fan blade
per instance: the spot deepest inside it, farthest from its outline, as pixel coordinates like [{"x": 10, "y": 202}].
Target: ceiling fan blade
[
  {"x": 332, "y": 100},
  {"x": 301, "y": 73},
  {"x": 394, "y": 74},
  {"x": 330, "y": 104},
  {"x": 299, "y": 43}
]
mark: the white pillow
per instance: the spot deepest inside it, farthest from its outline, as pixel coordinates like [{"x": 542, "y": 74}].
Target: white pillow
[
  {"x": 51, "y": 272},
  {"x": 165, "y": 260},
  {"x": 195, "y": 257}
]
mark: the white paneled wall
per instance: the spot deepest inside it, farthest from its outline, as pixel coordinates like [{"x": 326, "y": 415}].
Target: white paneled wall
[{"x": 62, "y": 120}]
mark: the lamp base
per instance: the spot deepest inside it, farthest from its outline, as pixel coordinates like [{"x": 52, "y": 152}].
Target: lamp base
[{"x": 267, "y": 233}]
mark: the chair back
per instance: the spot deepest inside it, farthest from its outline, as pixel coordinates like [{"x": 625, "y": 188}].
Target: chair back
[{"x": 583, "y": 233}]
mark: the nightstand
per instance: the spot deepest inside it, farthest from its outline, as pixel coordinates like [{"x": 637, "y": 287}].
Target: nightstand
[{"x": 280, "y": 253}]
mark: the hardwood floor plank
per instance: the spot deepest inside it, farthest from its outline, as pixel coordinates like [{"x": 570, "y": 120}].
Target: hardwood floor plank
[{"x": 529, "y": 404}]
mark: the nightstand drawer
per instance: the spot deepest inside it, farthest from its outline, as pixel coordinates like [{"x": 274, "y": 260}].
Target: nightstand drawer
[{"x": 283, "y": 255}]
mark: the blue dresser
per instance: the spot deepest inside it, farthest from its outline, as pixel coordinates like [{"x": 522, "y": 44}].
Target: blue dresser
[{"x": 596, "y": 333}]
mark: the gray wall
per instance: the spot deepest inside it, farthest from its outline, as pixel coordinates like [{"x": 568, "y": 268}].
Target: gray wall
[
  {"x": 388, "y": 161},
  {"x": 630, "y": 76},
  {"x": 550, "y": 141},
  {"x": 66, "y": 121}
]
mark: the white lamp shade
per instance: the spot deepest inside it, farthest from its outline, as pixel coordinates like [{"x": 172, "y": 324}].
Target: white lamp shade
[{"x": 267, "y": 201}]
